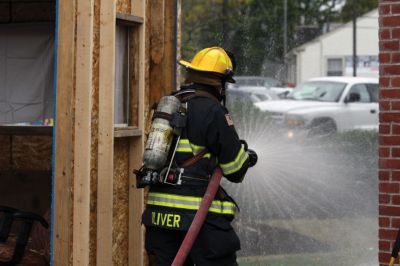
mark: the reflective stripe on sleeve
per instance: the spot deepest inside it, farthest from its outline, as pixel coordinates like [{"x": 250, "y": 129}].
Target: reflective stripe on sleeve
[
  {"x": 234, "y": 166},
  {"x": 189, "y": 203}
]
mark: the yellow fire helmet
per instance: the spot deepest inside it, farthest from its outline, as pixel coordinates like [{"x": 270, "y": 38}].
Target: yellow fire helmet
[{"x": 213, "y": 59}]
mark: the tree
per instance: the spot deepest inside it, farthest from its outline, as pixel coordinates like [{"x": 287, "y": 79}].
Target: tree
[
  {"x": 362, "y": 7},
  {"x": 253, "y": 29}
]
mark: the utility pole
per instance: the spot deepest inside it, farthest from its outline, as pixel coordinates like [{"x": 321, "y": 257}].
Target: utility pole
[
  {"x": 284, "y": 30},
  {"x": 354, "y": 38},
  {"x": 285, "y": 38},
  {"x": 224, "y": 25}
]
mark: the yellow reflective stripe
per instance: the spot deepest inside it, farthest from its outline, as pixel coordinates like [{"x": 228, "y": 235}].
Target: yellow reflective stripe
[
  {"x": 185, "y": 146},
  {"x": 174, "y": 196},
  {"x": 189, "y": 203},
  {"x": 196, "y": 149},
  {"x": 235, "y": 165},
  {"x": 190, "y": 207},
  {"x": 171, "y": 205},
  {"x": 207, "y": 155},
  {"x": 216, "y": 207},
  {"x": 184, "y": 141}
]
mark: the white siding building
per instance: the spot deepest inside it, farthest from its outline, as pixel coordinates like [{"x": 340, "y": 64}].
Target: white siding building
[{"x": 331, "y": 54}]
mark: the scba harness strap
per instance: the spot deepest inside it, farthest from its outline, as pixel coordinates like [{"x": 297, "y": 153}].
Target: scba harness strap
[
  {"x": 168, "y": 121},
  {"x": 178, "y": 121}
]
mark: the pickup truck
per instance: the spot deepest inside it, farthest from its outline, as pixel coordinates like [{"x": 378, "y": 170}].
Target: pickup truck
[{"x": 322, "y": 106}]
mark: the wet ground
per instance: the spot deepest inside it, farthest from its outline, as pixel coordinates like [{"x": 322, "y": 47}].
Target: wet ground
[{"x": 310, "y": 197}]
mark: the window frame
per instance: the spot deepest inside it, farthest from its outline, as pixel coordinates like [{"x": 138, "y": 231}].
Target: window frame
[
  {"x": 327, "y": 66},
  {"x": 367, "y": 89},
  {"x": 131, "y": 128},
  {"x": 370, "y": 87}
]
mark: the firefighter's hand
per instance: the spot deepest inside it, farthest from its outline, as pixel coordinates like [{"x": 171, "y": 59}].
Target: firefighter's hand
[{"x": 252, "y": 157}]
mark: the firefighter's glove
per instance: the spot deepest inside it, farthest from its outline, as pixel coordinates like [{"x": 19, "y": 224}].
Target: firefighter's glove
[{"x": 252, "y": 157}]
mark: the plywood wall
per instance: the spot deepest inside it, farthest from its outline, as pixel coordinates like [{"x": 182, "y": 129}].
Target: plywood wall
[
  {"x": 5, "y": 151},
  {"x": 31, "y": 153},
  {"x": 25, "y": 153},
  {"x": 124, "y": 6},
  {"x": 121, "y": 202},
  {"x": 25, "y": 172}
]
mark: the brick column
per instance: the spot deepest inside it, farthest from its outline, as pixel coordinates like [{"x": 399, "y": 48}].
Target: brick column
[{"x": 389, "y": 128}]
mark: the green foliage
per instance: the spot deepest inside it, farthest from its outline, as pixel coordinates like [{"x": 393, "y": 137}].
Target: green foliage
[
  {"x": 362, "y": 7},
  {"x": 253, "y": 29}
]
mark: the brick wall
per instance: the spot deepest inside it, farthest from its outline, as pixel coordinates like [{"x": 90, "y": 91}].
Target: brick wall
[{"x": 389, "y": 128}]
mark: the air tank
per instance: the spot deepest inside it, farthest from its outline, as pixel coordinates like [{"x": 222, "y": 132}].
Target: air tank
[{"x": 160, "y": 136}]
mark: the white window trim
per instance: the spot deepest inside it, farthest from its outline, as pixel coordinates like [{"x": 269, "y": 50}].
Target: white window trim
[{"x": 343, "y": 58}]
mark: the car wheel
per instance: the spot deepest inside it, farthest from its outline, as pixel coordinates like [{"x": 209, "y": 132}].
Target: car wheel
[{"x": 322, "y": 127}]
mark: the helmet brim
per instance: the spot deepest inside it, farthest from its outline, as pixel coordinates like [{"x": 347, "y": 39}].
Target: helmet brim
[
  {"x": 189, "y": 65},
  {"x": 230, "y": 80}
]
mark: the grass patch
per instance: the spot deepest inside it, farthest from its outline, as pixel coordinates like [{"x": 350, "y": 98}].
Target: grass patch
[
  {"x": 353, "y": 241},
  {"x": 315, "y": 259}
]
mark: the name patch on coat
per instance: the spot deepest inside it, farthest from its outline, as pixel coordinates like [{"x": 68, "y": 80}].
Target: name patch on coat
[{"x": 167, "y": 219}]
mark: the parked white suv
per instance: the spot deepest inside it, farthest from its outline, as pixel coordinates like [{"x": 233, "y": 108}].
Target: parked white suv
[{"x": 328, "y": 104}]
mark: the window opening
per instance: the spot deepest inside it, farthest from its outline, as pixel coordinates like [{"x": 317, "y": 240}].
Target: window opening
[
  {"x": 335, "y": 67},
  {"x": 122, "y": 75},
  {"x": 362, "y": 90}
]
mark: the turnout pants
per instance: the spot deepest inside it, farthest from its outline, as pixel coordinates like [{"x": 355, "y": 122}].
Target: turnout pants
[{"x": 215, "y": 245}]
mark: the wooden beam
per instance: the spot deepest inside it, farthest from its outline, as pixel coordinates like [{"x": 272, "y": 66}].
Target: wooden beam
[
  {"x": 157, "y": 37},
  {"x": 26, "y": 130},
  {"x": 129, "y": 20},
  {"x": 162, "y": 48},
  {"x": 63, "y": 164},
  {"x": 178, "y": 38},
  {"x": 170, "y": 46},
  {"x": 82, "y": 144},
  {"x": 122, "y": 132},
  {"x": 138, "y": 7},
  {"x": 106, "y": 133},
  {"x": 156, "y": 71},
  {"x": 136, "y": 206},
  {"x": 136, "y": 202}
]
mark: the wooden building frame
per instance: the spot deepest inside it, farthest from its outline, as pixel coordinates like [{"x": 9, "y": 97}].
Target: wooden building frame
[{"x": 97, "y": 208}]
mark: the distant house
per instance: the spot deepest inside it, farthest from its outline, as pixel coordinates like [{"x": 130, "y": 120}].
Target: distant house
[{"x": 331, "y": 54}]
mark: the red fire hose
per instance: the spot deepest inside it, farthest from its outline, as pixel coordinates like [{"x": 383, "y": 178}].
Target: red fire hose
[{"x": 199, "y": 218}]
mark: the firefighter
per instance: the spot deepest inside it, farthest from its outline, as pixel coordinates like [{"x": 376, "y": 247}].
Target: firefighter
[{"x": 208, "y": 140}]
